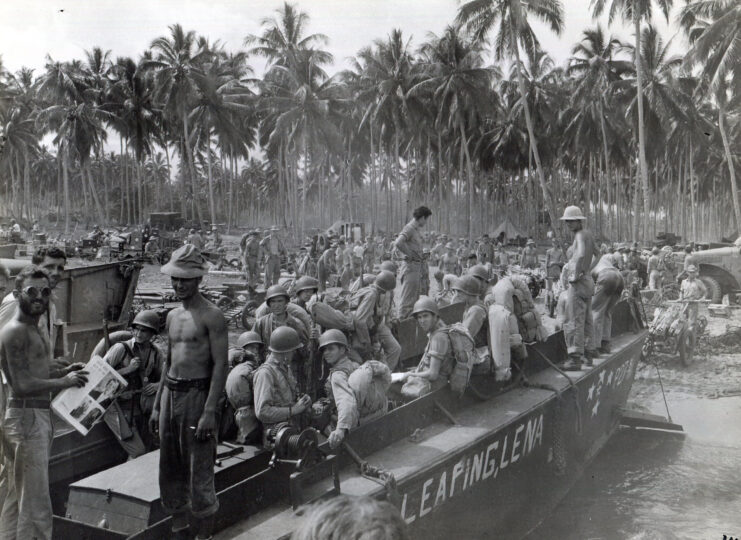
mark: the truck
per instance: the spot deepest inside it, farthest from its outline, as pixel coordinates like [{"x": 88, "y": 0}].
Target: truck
[{"x": 720, "y": 271}]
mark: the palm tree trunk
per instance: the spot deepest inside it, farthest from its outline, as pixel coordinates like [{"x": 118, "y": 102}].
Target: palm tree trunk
[
  {"x": 211, "y": 202},
  {"x": 65, "y": 184},
  {"x": 304, "y": 187},
  {"x": 547, "y": 196},
  {"x": 641, "y": 130},
  {"x": 469, "y": 171},
  {"x": 96, "y": 201},
  {"x": 191, "y": 166},
  {"x": 729, "y": 161}
]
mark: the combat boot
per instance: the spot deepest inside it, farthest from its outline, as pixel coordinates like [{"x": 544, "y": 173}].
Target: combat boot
[{"x": 573, "y": 363}]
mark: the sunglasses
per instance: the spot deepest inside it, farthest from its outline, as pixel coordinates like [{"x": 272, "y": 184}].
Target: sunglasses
[{"x": 35, "y": 292}]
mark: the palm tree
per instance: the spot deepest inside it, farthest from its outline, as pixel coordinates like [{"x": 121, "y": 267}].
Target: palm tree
[
  {"x": 636, "y": 11},
  {"x": 220, "y": 99},
  {"x": 714, "y": 27},
  {"x": 176, "y": 63},
  {"x": 459, "y": 83},
  {"x": 510, "y": 17}
]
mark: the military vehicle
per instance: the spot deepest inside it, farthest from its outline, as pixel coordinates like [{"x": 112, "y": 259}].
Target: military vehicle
[
  {"x": 491, "y": 463},
  {"x": 720, "y": 271}
]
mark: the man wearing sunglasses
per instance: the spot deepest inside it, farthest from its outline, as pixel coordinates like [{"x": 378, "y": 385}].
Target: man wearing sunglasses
[
  {"x": 52, "y": 260},
  {"x": 26, "y": 428}
]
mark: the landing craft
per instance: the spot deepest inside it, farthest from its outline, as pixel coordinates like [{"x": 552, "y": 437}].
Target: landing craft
[{"x": 456, "y": 467}]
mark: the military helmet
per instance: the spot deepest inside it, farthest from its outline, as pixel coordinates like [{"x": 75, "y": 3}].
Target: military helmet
[
  {"x": 425, "y": 303},
  {"x": 274, "y": 291},
  {"x": 332, "y": 336},
  {"x": 147, "y": 318},
  {"x": 248, "y": 338},
  {"x": 467, "y": 284},
  {"x": 305, "y": 283},
  {"x": 655, "y": 251},
  {"x": 284, "y": 339},
  {"x": 389, "y": 265},
  {"x": 479, "y": 271},
  {"x": 385, "y": 281}
]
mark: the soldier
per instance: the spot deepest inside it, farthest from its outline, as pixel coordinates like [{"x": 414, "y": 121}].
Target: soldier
[
  {"x": 409, "y": 243},
  {"x": 485, "y": 252},
  {"x": 578, "y": 322},
  {"x": 449, "y": 261},
  {"x": 188, "y": 397},
  {"x": 272, "y": 246},
  {"x": 481, "y": 274},
  {"x": 608, "y": 289},
  {"x": 239, "y": 386},
  {"x": 195, "y": 239},
  {"x": 139, "y": 362},
  {"x": 326, "y": 266},
  {"x": 355, "y": 397},
  {"x": 252, "y": 254},
  {"x": 304, "y": 288},
  {"x": 467, "y": 290},
  {"x": 437, "y": 361},
  {"x": 529, "y": 256},
  {"x": 654, "y": 269},
  {"x": 277, "y": 397},
  {"x": 692, "y": 289},
  {"x": 370, "y": 318},
  {"x": 26, "y": 426}
]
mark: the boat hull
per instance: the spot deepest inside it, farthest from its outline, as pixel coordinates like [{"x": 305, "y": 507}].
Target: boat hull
[{"x": 508, "y": 481}]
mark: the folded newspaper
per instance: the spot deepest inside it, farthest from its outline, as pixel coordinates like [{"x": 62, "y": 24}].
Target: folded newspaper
[{"x": 82, "y": 407}]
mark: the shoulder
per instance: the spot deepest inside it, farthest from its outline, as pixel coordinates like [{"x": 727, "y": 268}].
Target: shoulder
[{"x": 439, "y": 340}]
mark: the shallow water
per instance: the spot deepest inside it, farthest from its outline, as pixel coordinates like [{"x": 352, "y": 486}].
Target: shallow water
[{"x": 647, "y": 485}]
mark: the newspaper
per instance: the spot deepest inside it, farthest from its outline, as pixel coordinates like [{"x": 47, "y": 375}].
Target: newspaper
[{"x": 82, "y": 407}]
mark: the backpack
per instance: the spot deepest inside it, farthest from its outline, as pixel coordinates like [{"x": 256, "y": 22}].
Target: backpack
[
  {"x": 337, "y": 298},
  {"x": 464, "y": 353}
]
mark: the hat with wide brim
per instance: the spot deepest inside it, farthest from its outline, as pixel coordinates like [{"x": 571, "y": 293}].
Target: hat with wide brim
[
  {"x": 572, "y": 213},
  {"x": 186, "y": 262},
  {"x": 692, "y": 268}
]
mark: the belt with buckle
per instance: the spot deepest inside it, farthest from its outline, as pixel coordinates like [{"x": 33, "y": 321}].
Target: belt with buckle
[
  {"x": 183, "y": 385},
  {"x": 30, "y": 403}
]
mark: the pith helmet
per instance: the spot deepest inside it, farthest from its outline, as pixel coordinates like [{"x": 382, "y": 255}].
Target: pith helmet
[
  {"x": 305, "y": 283},
  {"x": 390, "y": 266},
  {"x": 449, "y": 245},
  {"x": 692, "y": 268},
  {"x": 147, "y": 318},
  {"x": 386, "y": 281},
  {"x": 332, "y": 336},
  {"x": 274, "y": 291},
  {"x": 572, "y": 213},
  {"x": 284, "y": 339},
  {"x": 186, "y": 262},
  {"x": 479, "y": 271},
  {"x": 467, "y": 284},
  {"x": 425, "y": 303},
  {"x": 248, "y": 338}
]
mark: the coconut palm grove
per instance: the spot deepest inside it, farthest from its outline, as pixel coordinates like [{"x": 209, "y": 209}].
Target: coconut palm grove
[{"x": 478, "y": 122}]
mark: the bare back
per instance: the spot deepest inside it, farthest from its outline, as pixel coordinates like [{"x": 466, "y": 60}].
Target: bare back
[{"x": 197, "y": 338}]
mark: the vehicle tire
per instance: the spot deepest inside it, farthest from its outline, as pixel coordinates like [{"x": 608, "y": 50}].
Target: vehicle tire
[
  {"x": 715, "y": 293},
  {"x": 687, "y": 347},
  {"x": 234, "y": 263}
]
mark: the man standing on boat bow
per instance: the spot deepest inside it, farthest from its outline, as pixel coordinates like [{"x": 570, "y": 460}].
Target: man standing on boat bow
[{"x": 188, "y": 396}]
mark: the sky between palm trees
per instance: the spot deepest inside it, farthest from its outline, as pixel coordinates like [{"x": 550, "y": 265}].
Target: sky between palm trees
[{"x": 31, "y": 29}]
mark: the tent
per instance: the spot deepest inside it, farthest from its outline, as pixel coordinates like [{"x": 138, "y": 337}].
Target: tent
[{"x": 509, "y": 229}]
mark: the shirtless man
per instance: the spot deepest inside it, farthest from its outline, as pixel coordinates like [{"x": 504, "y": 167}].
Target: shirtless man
[
  {"x": 27, "y": 428},
  {"x": 187, "y": 398},
  {"x": 578, "y": 324}
]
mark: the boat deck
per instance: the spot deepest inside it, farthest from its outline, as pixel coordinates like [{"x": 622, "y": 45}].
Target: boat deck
[{"x": 410, "y": 460}]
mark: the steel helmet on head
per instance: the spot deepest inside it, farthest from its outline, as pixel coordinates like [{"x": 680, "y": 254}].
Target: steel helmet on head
[
  {"x": 275, "y": 291},
  {"x": 147, "y": 318},
  {"x": 385, "y": 281},
  {"x": 479, "y": 271},
  {"x": 284, "y": 339},
  {"x": 305, "y": 283},
  {"x": 332, "y": 336},
  {"x": 572, "y": 213},
  {"x": 467, "y": 284},
  {"x": 425, "y": 303},
  {"x": 390, "y": 266},
  {"x": 248, "y": 338}
]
